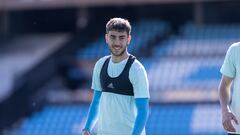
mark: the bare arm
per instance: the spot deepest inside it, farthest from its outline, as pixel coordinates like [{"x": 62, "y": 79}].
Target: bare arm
[
  {"x": 224, "y": 97},
  {"x": 224, "y": 93}
]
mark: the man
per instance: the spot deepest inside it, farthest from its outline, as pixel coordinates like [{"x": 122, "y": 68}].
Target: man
[
  {"x": 231, "y": 73},
  {"x": 120, "y": 85}
]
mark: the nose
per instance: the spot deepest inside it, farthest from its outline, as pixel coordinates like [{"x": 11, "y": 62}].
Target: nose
[{"x": 117, "y": 42}]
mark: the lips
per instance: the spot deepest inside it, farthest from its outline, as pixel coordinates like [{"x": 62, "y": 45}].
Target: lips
[{"x": 116, "y": 47}]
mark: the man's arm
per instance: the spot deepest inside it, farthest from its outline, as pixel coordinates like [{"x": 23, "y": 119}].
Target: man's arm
[
  {"x": 92, "y": 112},
  {"x": 142, "y": 105},
  {"x": 224, "y": 97}
]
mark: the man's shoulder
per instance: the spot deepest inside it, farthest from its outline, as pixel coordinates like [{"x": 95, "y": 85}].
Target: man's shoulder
[
  {"x": 137, "y": 65},
  {"x": 235, "y": 45},
  {"x": 102, "y": 60},
  {"x": 234, "y": 48}
]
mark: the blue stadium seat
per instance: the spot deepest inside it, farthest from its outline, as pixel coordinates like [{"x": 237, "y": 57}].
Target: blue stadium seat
[{"x": 165, "y": 119}]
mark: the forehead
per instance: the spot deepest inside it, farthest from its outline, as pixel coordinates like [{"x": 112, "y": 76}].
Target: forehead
[{"x": 117, "y": 33}]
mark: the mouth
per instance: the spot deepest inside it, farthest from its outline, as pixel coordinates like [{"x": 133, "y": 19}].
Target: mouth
[{"x": 116, "y": 47}]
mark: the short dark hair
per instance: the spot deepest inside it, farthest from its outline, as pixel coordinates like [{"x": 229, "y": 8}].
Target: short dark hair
[{"x": 118, "y": 24}]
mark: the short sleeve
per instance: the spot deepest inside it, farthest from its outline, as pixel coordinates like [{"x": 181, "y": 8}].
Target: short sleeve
[
  {"x": 228, "y": 68},
  {"x": 139, "y": 80}
]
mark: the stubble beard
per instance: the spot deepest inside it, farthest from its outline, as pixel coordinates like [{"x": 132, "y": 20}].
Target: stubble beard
[{"x": 120, "y": 54}]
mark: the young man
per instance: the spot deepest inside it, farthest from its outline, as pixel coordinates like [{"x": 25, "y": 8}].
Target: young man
[
  {"x": 231, "y": 73},
  {"x": 120, "y": 85}
]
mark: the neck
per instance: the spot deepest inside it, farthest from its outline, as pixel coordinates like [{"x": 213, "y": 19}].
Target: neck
[{"x": 117, "y": 59}]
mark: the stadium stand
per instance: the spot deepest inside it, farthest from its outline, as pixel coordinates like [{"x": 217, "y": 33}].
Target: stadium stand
[
  {"x": 20, "y": 54},
  {"x": 191, "y": 60},
  {"x": 183, "y": 119},
  {"x": 174, "y": 77}
]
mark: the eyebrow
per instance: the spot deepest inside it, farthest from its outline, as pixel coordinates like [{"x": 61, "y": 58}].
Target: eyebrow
[
  {"x": 121, "y": 36},
  {"x": 112, "y": 36}
]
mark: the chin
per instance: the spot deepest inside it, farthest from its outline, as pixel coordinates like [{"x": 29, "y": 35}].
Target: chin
[{"x": 118, "y": 53}]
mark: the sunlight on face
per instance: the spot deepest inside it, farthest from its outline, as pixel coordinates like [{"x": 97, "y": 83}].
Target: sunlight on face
[{"x": 118, "y": 42}]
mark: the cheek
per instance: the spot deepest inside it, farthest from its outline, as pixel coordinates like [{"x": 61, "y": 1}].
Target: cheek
[
  {"x": 110, "y": 43},
  {"x": 127, "y": 42}
]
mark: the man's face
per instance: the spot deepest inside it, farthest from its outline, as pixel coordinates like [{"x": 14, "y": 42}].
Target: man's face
[{"x": 118, "y": 42}]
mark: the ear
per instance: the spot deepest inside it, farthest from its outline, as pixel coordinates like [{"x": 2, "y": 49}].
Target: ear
[
  {"x": 106, "y": 38},
  {"x": 129, "y": 39}
]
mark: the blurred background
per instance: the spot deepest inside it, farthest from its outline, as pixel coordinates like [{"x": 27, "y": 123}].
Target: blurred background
[{"x": 48, "y": 49}]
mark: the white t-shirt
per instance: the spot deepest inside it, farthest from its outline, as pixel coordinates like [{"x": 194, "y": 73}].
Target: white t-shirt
[
  {"x": 117, "y": 112},
  {"x": 231, "y": 68}
]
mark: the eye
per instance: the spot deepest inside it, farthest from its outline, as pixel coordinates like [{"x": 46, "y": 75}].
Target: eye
[
  {"x": 112, "y": 37},
  {"x": 122, "y": 37}
]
